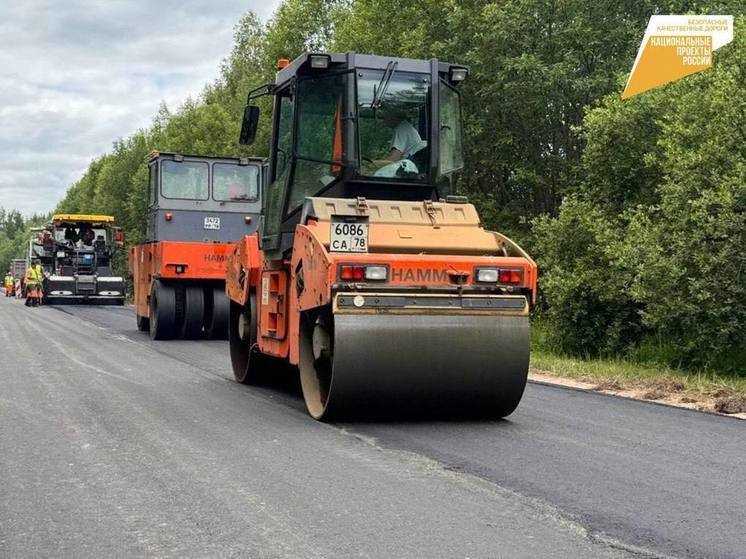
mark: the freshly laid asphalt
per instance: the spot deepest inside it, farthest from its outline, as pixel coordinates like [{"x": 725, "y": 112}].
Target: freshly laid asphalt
[{"x": 114, "y": 445}]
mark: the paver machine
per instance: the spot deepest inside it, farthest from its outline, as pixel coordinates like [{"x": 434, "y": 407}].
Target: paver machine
[
  {"x": 199, "y": 207},
  {"x": 76, "y": 252},
  {"x": 369, "y": 273}
]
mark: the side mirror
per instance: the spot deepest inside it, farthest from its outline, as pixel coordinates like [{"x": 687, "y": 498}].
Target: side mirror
[
  {"x": 119, "y": 238},
  {"x": 249, "y": 125}
]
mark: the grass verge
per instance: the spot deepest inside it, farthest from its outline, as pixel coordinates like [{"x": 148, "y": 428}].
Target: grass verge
[{"x": 703, "y": 391}]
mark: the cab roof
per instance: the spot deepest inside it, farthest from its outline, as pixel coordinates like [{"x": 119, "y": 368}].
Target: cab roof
[
  {"x": 74, "y": 219},
  {"x": 156, "y": 154},
  {"x": 352, "y": 60}
]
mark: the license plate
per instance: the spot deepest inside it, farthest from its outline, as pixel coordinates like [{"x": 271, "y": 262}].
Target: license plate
[
  {"x": 212, "y": 223},
  {"x": 349, "y": 235}
]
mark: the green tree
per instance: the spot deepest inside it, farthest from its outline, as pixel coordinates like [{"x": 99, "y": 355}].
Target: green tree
[
  {"x": 648, "y": 258},
  {"x": 691, "y": 274}
]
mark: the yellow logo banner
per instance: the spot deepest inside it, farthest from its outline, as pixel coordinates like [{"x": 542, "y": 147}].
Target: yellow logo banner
[{"x": 674, "y": 47}]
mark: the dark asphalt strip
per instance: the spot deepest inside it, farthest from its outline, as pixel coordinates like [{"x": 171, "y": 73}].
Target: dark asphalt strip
[{"x": 651, "y": 477}]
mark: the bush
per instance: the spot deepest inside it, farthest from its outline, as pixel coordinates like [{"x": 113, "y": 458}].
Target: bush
[
  {"x": 648, "y": 259},
  {"x": 585, "y": 286}
]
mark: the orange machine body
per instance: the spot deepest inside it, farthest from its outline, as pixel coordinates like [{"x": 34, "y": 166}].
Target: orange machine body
[
  {"x": 283, "y": 289},
  {"x": 175, "y": 260}
]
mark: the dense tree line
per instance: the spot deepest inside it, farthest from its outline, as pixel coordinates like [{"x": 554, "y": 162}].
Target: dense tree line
[
  {"x": 15, "y": 231},
  {"x": 647, "y": 254},
  {"x": 634, "y": 209}
]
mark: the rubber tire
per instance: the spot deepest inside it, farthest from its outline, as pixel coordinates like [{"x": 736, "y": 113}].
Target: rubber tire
[
  {"x": 194, "y": 313},
  {"x": 162, "y": 311},
  {"x": 143, "y": 323},
  {"x": 249, "y": 365},
  {"x": 217, "y": 313}
]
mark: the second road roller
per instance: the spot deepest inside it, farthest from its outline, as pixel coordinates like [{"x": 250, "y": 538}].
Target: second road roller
[
  {"x": 368, "y": 272},
  {"x": 198, "y": 207}
]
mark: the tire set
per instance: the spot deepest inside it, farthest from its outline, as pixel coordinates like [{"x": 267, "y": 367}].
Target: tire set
[{"x": 186, "y": 311}]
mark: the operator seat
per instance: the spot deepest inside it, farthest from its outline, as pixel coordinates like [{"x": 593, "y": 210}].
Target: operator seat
[{"x": 419, "y": 156}]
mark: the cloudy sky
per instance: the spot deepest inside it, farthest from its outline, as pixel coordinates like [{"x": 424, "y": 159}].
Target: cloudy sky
[{"x": 77, "y": 74}]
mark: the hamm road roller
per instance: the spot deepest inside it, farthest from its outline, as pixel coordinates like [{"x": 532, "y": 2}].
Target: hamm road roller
[
  {"x": 199, "y": 206},
  {"x": 369, "y": 273}
]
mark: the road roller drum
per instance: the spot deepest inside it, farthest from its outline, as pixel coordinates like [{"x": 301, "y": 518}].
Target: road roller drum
[{"x": 451, "y": 365}]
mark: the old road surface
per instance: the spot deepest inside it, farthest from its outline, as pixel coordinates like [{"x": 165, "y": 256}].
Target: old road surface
[{"x": 113, "y": 445}]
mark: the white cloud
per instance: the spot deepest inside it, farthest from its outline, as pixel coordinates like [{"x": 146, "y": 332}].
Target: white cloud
[{"x": 77, "y": 75}]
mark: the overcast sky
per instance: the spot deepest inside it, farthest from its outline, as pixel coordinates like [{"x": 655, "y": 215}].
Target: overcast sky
[{"x": 75, "y": 75}]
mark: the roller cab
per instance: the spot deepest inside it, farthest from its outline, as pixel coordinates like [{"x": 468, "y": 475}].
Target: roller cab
[
  {"x": 199, "y": 207},
  {"x": 368, "y": 273}
]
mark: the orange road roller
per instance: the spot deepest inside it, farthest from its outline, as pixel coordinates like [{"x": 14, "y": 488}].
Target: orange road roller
[
  {"x": 199, "y": 206},
  {"x": 368, "y": 273}
]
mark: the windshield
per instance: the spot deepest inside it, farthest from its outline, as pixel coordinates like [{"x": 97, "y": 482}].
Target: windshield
[
  {"x": 393, "y": 127},
  {"x": 235, "y": 183},
  {"x": 186, "y": 180},
  {"x": 80, "y": 235}
]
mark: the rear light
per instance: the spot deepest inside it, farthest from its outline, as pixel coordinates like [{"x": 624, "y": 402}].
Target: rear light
[
  {"x": 376, "y": 273},
  {"x": 169, "y": 216},
  {"x": 359, "y": 273},
  {"x": 487, "y": 275},
  {"x": 511, "y": 276},
  {"x": 247, "y": 219},
  {"x": 503, "y": 277},
  {"x": 352, "y": 273}
]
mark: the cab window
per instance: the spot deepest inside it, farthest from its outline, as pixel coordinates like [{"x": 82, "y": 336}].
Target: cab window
[
  {"x": 451, "y": 149},
  {"x": 186, "y": 180},
  {"x": 319, "y": 137},
  {"x": 284, "y": 134},
  {"x": 393, "y": 124},
  {"x": 153, "y": 182},
  {"x": 235, "y": 183},
  {"x": 274, "y": 196}
]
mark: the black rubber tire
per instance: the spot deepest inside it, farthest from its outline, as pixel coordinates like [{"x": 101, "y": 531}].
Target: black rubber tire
[
  {"x": 217, "y": 313},
  {"x": 249, "y": 365},
  {"x": 194, "y": 313},
  {"x": 143, "y": 323},
  {"x": 162, "y": 311}
]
